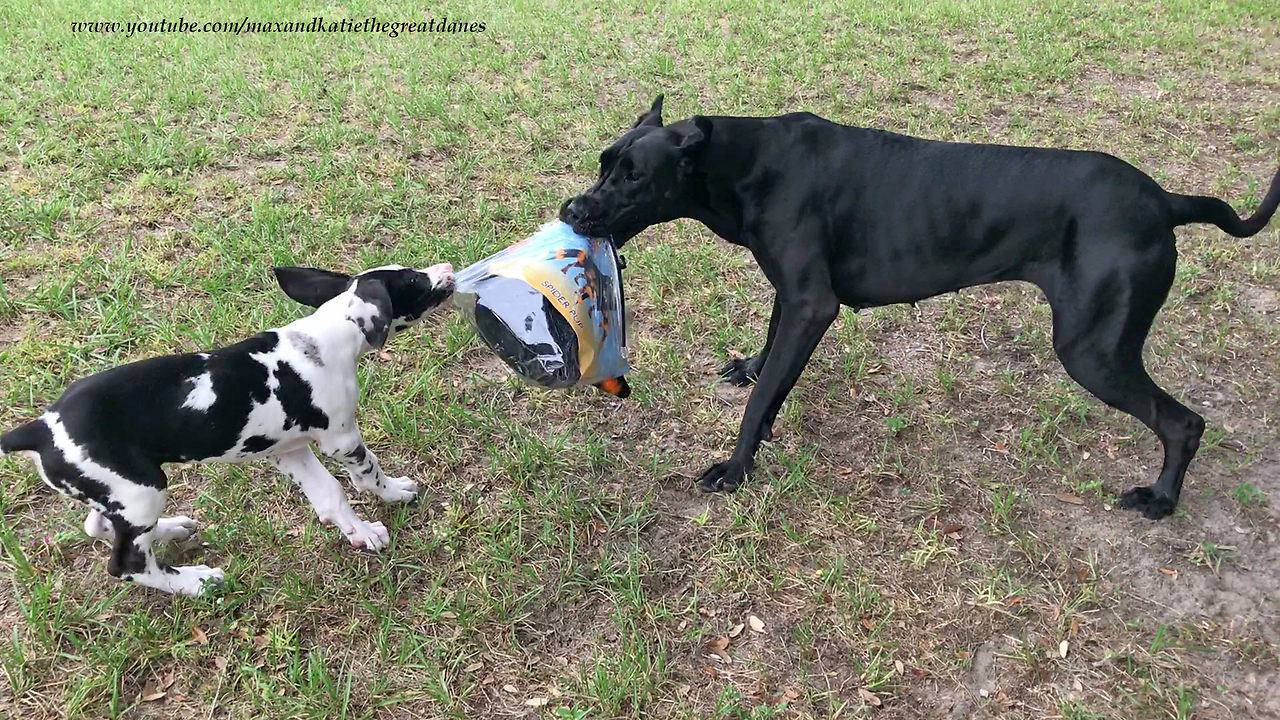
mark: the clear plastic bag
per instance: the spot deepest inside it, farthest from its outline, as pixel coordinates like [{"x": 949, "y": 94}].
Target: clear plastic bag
[{"x": 551, "y": 306}]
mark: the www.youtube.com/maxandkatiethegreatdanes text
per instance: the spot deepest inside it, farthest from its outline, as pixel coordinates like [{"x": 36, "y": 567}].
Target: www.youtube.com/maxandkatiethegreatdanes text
[{"x": 249, "y": 27}]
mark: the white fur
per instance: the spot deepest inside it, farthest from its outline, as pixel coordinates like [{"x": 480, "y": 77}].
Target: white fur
[
  {"x": 188, "y": 580},
  {"x": 201, "y": 396}
]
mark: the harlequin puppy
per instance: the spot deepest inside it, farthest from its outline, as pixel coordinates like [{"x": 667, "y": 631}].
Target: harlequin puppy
[{"x": 269, "y": 397}]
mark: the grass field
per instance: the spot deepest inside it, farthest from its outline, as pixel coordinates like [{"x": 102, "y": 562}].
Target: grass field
[{"x": 932, "y": 534}]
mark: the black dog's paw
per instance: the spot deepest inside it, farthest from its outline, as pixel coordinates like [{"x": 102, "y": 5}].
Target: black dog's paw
[
  {"x": 727, "y": 476},
  {"x": 741, "y": 372},
  {"x": 1147, "y": 502}
]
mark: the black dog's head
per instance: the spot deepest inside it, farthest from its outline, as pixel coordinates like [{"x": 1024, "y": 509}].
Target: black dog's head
[
  {"x": 383, "y": 300},
  {"x": 650, "y": 175}
]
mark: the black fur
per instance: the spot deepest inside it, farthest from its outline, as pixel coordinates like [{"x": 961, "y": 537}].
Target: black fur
[
  {"x": 295, "y": 397},
  {"x": 844, "y": 215},
  {"x": 258, "y": 443}
]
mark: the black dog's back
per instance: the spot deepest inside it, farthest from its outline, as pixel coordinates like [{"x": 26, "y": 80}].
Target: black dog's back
[{"x": 908, "y": 218}]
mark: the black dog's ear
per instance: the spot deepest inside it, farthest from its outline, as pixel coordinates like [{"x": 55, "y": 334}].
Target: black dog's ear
[
  {"x": 375, "y": 326},
  {"x": 695, "y": 142},
  {"x": 653, "y": 117},
  {"x": 310, "y": 286}
]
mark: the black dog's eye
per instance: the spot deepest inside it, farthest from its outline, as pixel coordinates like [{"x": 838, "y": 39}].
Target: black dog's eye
[{"x": 633, "y": 176}]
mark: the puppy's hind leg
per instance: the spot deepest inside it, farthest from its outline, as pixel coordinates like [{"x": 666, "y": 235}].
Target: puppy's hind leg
[
  {"x": 330, "y": 502},
  {"x": 366, "y": 474},
  {"x": 133, "y": 511},
  {"x": 126, "y": 510},
  {"x": 133, "y": 559},
  {"x": 168, "y": 529}
]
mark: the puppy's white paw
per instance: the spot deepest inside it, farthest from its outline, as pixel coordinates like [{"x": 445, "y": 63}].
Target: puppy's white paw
[
  {"x": 372, "y": 536},
  {"x": 175, "y": 529},
  {"x": 400, "y": 489},
  {"x": 193, "y": 579}
]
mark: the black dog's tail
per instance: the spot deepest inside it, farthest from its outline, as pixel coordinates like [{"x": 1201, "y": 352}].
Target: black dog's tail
[
  {"x": 1201, "y": 209},
  {"x": 27, "y": 437}
]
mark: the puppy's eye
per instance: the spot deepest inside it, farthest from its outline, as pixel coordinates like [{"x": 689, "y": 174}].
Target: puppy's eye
[{"x": 633, "y": 176}]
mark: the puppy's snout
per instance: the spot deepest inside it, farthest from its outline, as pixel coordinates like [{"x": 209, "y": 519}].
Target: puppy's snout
[{"x": 441, "y": 275}]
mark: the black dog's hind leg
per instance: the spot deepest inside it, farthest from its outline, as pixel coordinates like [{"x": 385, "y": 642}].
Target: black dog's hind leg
[
  {"x": 802, "y": 321},
  {"x": 745, "y": 371},
  {"x": 1099, "y": 327}
]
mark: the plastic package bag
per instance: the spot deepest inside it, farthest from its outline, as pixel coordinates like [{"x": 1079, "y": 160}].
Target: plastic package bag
[{"x": 551, "y": 306}]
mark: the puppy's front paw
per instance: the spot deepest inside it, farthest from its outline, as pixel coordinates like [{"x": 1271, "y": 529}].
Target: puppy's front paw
[
  {"x": 400, "y": 489},
  {"x": 371, "y": 536},
  {"x": 741, "y": 372},
  {"x": 194, "y": 579},
  {"x": 175, "y": 529},
  {"x": 727, "y": 476},
  {"x": 1143, "y": 499}
]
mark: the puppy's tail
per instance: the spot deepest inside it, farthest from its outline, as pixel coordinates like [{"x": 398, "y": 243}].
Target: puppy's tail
[
  {"x": 28, "y": 437},
  {"x": 1201, "y": 209}
]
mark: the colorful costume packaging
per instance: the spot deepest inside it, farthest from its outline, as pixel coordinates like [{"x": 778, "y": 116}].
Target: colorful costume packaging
[{"x": 551, "y": 306}]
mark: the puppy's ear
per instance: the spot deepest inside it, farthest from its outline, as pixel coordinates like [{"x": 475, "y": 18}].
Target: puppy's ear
[
  {"x": 652, "y": 118},
  {"x": 693, "y": 144},
  {"x": 310, "y": 286},
  {"x": 374, "y": 319}
]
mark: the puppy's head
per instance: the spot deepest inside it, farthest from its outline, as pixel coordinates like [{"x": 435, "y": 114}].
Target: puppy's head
[
  {"x": 650, "y": 175},
  {"x": 381, "y": 301}
]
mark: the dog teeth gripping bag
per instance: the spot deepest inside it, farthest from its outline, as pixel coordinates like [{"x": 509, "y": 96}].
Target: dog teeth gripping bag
[{"x": 551, "y": 306}]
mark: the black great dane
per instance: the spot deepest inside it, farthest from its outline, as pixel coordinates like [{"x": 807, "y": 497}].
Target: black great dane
[{"x": 845, "y": 215}]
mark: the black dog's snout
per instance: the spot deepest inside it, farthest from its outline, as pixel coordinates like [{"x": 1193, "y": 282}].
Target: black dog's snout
[
  {"x": 581, "y": 214},
  {"x": 572, "y": 212}
]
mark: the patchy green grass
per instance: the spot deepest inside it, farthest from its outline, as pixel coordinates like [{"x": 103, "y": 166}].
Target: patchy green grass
[{"x": 930, "y": 534}]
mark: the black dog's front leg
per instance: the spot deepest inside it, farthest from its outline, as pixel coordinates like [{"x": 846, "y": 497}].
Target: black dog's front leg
[
  {"x": 801, "y": 324},
  {"x": 745, "y": 371}
]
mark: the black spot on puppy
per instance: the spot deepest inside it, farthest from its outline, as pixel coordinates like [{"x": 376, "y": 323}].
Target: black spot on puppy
[
  {"x": 295, "y": 397},
  {"x": 358, "y": 453},
  {"x": 258, "y": 443}
]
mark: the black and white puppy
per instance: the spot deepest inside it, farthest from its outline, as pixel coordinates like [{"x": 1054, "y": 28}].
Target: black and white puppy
[{"x": 269, "y": 397}]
